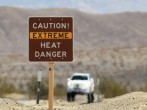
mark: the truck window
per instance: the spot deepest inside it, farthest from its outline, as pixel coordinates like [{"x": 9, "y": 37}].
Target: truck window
[{"x": 79, "y": 77}]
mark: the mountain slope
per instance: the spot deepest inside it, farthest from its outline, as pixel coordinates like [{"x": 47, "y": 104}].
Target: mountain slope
[{"x": 91, "y": 31}]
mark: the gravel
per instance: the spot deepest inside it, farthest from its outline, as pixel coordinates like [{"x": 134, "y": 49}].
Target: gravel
[{"x": 131, "y": 101}]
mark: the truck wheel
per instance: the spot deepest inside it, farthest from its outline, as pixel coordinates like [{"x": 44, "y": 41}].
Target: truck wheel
[
  {"x": 89, "y": 97},
  {"x": 69, "y": 97},
  {"x": 73, "y": 96},
  {"x": 92, "y": 97}
]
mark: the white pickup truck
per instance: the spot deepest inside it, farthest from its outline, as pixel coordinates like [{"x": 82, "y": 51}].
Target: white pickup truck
[{"x": 80, "y": 83}]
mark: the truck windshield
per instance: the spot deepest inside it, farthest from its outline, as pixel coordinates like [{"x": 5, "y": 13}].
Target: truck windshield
[{"x": 79, "y": 77}]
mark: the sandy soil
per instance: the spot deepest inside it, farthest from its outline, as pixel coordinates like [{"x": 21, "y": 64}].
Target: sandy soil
[{"x": 132, "y": 101}]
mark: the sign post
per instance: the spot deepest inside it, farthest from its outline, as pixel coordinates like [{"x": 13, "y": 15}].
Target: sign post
[
  {"x": 51, "y": 39},
  {"x": 51, "y": 86},
  {"x": 98, "y": 83},
  {"x": 38, "y": 85}
]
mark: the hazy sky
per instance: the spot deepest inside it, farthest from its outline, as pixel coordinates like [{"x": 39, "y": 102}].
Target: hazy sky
[{"x": 91, "y": 6}]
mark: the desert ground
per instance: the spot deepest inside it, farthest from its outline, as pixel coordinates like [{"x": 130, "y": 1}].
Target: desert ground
[{"x": 131, "y": 101}]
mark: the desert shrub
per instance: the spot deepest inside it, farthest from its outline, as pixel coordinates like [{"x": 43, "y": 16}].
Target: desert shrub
[
  {"x": 144, "y": 88},
  {"x": 32, "y": 88},
  {"x": 111, "y": 88},
  {"x": 44, "y": 89},
  {"x": 59, "y": 89},
  {"x": 6, "y": 88},
  {"x": 21, "y": 89}
]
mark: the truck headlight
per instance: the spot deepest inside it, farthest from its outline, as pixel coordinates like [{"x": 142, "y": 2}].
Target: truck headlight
[{"x": 69, "y": 85}]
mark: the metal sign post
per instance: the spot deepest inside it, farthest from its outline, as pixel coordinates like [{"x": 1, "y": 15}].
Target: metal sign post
[
  {"x": 51, "y": 86},
  {"x": 38, "y": 85},
  {"x": 98, "y": 82}
]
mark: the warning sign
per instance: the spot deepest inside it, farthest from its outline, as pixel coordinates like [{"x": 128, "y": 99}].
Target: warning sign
[{"x": 50, "y": 39}]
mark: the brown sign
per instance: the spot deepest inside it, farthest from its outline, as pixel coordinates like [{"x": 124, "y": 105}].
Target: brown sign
[{"x": 50, "y": 39}]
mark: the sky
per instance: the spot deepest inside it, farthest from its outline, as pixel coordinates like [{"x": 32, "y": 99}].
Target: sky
[{"x": 90, "y": 6}]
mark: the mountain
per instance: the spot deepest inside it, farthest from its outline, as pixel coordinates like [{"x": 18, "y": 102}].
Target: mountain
[
  {"x": 90, "y": 6},
  {"x": 91, "y": 31},
  {"x": 112, "y": 45}
]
